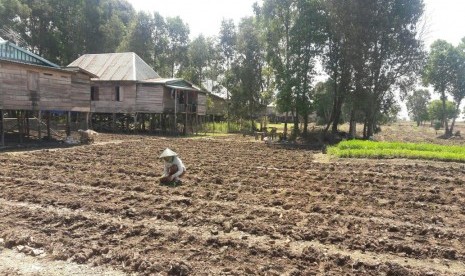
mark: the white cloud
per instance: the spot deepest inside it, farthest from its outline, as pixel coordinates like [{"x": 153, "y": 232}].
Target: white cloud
[{"x": 202, "y": 16}]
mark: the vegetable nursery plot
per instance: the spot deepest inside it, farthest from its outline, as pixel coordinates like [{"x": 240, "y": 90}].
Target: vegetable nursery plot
[{"x": 244, "y": 208}]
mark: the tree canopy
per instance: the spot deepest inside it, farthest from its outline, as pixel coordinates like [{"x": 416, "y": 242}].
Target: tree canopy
[{"x": 367, "y": 50}]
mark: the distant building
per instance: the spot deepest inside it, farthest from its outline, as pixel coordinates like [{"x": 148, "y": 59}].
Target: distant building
[
  {"x": 31, "y": 86},
  {"x": 125, "y": 84},
  {"x": 218, "y": 106}
]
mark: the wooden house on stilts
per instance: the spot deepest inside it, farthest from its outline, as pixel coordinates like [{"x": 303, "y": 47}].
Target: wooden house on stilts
[
  {"x": 129, "y": 95},
  {"x": 33, "y": 88}
]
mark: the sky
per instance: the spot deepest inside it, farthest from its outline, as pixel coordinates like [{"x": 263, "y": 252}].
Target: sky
[
  {"x": 445, "y": 19},
  {"x": 202, "y": 16}
]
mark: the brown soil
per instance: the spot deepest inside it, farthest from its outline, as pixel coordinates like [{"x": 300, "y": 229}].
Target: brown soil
[{"x": 244, "y": 208}]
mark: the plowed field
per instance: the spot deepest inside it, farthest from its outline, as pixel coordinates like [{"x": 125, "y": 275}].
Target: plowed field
[{"x": 244, "y": 208}]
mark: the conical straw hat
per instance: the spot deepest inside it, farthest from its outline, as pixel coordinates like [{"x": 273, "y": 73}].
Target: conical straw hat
[{"x": 167, "y": 153}]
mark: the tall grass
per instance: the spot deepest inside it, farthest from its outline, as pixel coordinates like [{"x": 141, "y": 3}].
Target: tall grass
[
  {"x": 222, "y": 127},
  {"x": 370, "y": 149}
]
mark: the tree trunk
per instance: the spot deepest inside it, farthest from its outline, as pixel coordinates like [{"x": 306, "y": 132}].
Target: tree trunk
[
  {"x": 444, "y": 115},
  {"x": 337, "y": 116},
  {"x": 352, "y": 125},
  {"x": 305, "y": 130},
  {"x": 296, "y": 124},
  {"x": 370, "y": 121},
  {"x": 365, "y": 129},
  {"x": 457, "y": 107}
]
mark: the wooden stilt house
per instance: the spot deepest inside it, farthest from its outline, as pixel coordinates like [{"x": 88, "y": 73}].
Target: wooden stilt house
[
  {"x": 128, "y": 92},
  {"x": 32, "y": 87}
]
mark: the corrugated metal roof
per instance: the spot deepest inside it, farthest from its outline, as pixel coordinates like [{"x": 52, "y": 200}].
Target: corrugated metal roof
[
  {"x": 162, "y": 80},
  {"x": 183, "y": 88},
  {"x": 174, "y": 83},
  {"x": 11, "y": 51},
  {"x": 116, "y": 67}
]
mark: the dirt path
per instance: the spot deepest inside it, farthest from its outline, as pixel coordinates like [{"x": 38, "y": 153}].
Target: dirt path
[{"x": 14, "y": 263}]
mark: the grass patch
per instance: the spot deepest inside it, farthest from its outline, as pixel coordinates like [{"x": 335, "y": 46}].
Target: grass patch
[
  {"x": 370, "y": 149},
  {"x": 222, "y": 127}
]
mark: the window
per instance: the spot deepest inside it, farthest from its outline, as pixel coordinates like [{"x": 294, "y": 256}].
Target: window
[
  {"x": 94, "y": 93},
  {"x": 118, "y": 94}
]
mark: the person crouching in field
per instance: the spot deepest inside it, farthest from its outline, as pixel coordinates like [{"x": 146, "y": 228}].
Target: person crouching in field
[{"x": 174, "y": 168}]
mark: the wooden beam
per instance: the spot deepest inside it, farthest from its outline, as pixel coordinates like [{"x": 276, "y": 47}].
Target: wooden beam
[
  {"x": 186, "y": 100},
  {"x": 19, "y": 114},
  {"x": 49, "y": 133},
  {"x": 113, "y": 122},
  {"x": 135, "y": 122},
  {"x": 39, "y": 125},
  {"x": 2, "y": 128},
  {"x": 175, "y": 111},
  {"x": 86, "y": 124},
  {"x": 152, "y": 123},
  {"x": 28, "y": 129},
  {"x": 68, "y": 123},
  {"x": 89, "y": 120}
]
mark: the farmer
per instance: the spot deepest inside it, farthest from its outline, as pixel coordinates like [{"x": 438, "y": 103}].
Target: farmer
[{"x": 174, "y": 168}]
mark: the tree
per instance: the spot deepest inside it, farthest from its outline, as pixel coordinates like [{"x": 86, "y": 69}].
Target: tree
[
  {"x": 116, "y": 16},
  {"x": 306, "y": 43},
  {"x": 278, "y": 16},
  {"x": 199, "y": 56},
  {"x": 323, "y": 95},
  {"x": 244, "y": 80},
  {"x": 227, "y": 41},
  {"x": 40, "y": 30},
  {"x": 62, "y": 30},
  {"x": 227, "y": 52},
  {"x": 378, "y": 41},
  {"x": 294, "y": 37},
  {"x": 458, "y": 78},
  {"x": 417, "y": 105},
  {"x": 178, "y": 40},
  {"x": 9, "y": 11},
  {"x": 338, "y": 61},
  {"x": 436, "y": 111},
  {"x": 439, "y": 73},
  {"x": 113, "y": 32},
  {"x": 139, "y": 37},
  {"x": 161, "y": 62}
]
